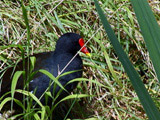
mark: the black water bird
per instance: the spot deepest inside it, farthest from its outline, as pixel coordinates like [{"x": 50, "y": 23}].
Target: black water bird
[{"x": 54, "y": 62}]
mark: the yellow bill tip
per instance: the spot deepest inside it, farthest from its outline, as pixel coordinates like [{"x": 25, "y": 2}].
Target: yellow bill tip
[{"x": 88, "y": 54}]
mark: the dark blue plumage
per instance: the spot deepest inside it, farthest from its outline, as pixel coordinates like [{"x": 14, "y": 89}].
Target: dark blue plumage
[{"x": 67, "y": 46}]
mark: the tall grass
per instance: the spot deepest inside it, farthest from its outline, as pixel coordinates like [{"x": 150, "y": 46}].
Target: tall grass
[
  {"x": 150, "y": 30},
  {"x": 111, "y": 95}
]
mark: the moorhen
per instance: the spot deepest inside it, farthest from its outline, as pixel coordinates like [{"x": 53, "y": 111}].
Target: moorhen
[{"x": 54, "y": 62}]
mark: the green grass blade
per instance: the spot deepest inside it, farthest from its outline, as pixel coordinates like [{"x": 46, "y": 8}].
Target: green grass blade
[
  {"x": 36, "y": 116},
  {"x": 4, "y": 102},
  {"x": 67, "y": 73},
  {"x": 75, "y": 96},
  {"x": 150, "y": 30},
  {"x": 53, "y": 78},
  {"x": 32, "y": 63},
  {"x": 72, "y": 97},
  {"x": 59, "y": 22},
  {"x": 31, "y": 95},
  {"x": 20, "y": 103},
  {"x": 26, "y": 21},
  {"x": 138, "y": 85},
  {"x": 88, "y": 80},
  {"x": 110, "y": 67},
  {"x": 14, "y": 84}
]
